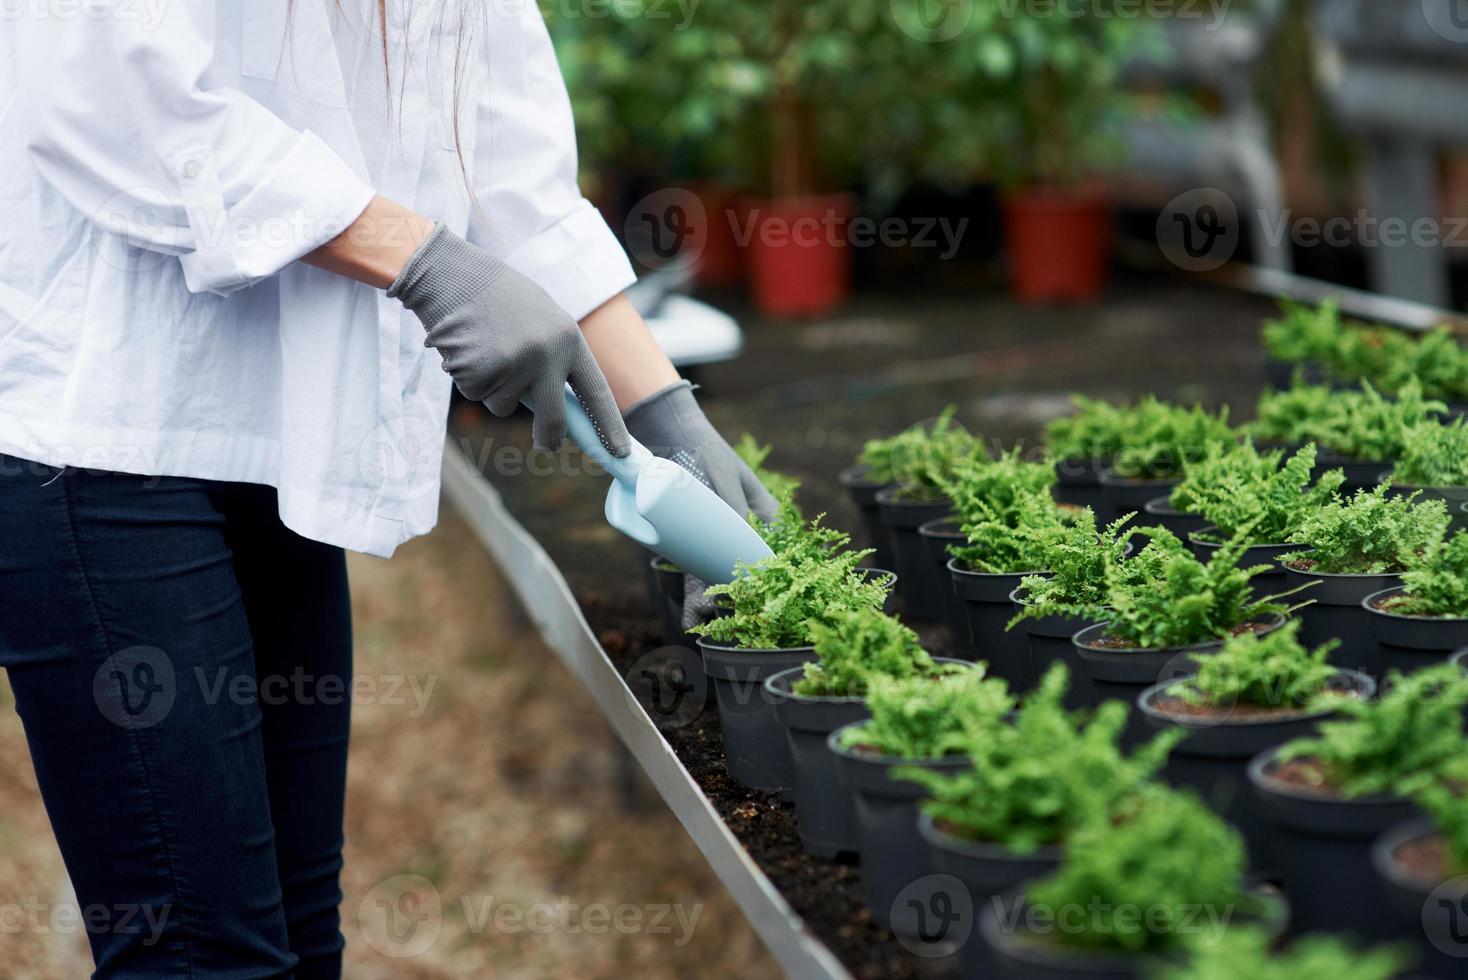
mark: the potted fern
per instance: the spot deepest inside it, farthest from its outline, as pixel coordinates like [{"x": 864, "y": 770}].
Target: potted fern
[
  {"x": 1081, "y": 446},
  {"x": 1157, "y": 443},
  {"x": 1255, "y": 693},
  {"x": 1004, "y": 818},
  {"x": 1328, "y": 797},
  {"x": 813, "y": 700},
  {"x": 916, "y": 722},
  {"x": 770, "y": 609},
  {"x": 1351, "y": 548},
  {"x": 873, "y": 471},
  {"x": 1132, "y": 893},
  {"x": 1076, "y": 557},
  {"x": 921, "y": 461},
  {"x": 1249, "y": 952},
  {"x": 1434, "y": 463},
  {"x": 1263, "y": 492},
  {"x": 1423, "y": 867},
  {"x": 1424, "y": 619}
]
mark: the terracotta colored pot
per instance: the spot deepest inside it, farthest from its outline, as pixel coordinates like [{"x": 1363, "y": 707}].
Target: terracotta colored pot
[
  {"x": 1058, "y": 243},
  {"x": 799, "y": 258},
  {"x": 721, "y": 263}
]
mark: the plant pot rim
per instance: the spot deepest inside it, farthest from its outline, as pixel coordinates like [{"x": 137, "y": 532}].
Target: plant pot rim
[
  {"x": 889, "y": 495},
  {"x": 660, "y": 564},
  {"x": 989, "y": 850},
  {"x": 1276, "y": 620},
  {"x": 720, "y": 648},
  {"x": 929, "y": 529},
  {"x": 1386, "y": 476},
  {"x": 1266, "y": 782},
  {"x": 1367, "y": 604},
  {"x": 1362, "y": 682},
  {"x": 1161, "y": 506},
  {"x": 1384, "y": 855},
  {"x": 833, "y": 743},
  {"x": 774, "y": 681},
  {"x": 1193, "y": 538},
  {"x": 1110, "y": 477},
  {"x": 1288, "y": 567},
  {"x": 954, "y": 568}
]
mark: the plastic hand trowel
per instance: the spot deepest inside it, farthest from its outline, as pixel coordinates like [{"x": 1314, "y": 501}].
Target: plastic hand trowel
[{"x": 663, "y": 507}]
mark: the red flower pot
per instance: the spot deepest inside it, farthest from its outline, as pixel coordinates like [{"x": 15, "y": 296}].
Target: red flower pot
[
  {"x": 1058, "y": 243},
  {"x": 799, "y": 259},
  {"x": 721, "y": 263}
]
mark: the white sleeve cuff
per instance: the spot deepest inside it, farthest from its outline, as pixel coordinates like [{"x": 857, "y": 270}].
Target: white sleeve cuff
[
  {"x": 577, "y": 260},
  {"x": 308, "y": 199}
]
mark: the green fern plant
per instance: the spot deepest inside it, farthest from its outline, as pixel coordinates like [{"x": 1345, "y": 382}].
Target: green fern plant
[
  {"x": 1370, "y": 533},
  {"x": 1076, "y": 560},
  {"x": 1404, "y": 741},
  {"x": 1161, "y": 438},
  {"x": 1438, "y": 584},
  {"x": 1434, "y": 455},
  {"x": 1163, "y": 853},
  {"x": 1016, "y": 795},
  {"x": 1360, "y": 424},
  {"x": 979, "y": 486},
  {"x": 782, "y": 486},
  {"x": 921, "y": 460},
  {"x": 929, "y": 718},
  {"x": 1305, "y": 333},
  {"x": 1443, "y": 803},
  {"x": 1094, "y": 431},
  {"x": 856, "y": 644},
  {"x": 1271, "y": 671},
  {"x": 1241, "y": 487},
  {"x": 1016, "y": 539},
  {"x": 1246, "y": 954}
]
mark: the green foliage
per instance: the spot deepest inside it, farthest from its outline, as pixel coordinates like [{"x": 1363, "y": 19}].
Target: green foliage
[
  {"x": 1094, "y": 431},
  {"x": 1160, "y": 439},
  {"x": 980, "y": 486},
  {"x": 1438, "y": 584},
  {"x": 1359, "y": 424},
  {"x": 1013, "y": 539},
  {"x": 929, "y": 717},
  {"x": 1386, "y": 357},
  {"x": 1237, "y": 487},
  {"x": 781, "y": 486},
  {"x": 1408, "y": 739},
  {"x": 1164, "y": 597},
  {"x": 1245, "y": 952},
  {"x": 1076, "y": 559},
  {"x": 774, "y": 602},
  {"x": 1271, "y": 671},
  {"x": 1434, "y": 455},
  {"x": 855, "y": 644},
  {"x": 922, "y": 461},
  {"x": 791, "y": 535},
  {"x": 1443, "y": 803},
  {"x": 1165, "y": 853},
  {"x": 1371, "y": 532},
  {"x": 1017, "y": 795}
]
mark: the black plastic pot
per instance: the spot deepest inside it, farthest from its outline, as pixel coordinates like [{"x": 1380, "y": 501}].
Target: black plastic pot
[
  {"x": 1361, "y": 474},
  {"x": 918, "y": 579},
  {"x": 1125, "y": 495},
  {"x": 988, "y": 610},
  {"x": 1323, "y": 843},
  {"x": 888, "y": 578},
  {"x": 1078, "y": 482},
  {"x": 823, "y": 805},
  {"x": 1335, "y": 612},
  {"x": 1265, "y": 583},
  {"x": 1159, "y": 511},
  {"x": 1124, "y": 674},
  {"x": 1408, "y": 643},
  {"x": 668, "y": 580},
  {"x": 1048, "y": 638},
  {"x": 1212, "y": 759},
  {"x": 1020, "y": 954},
  {"x": 893, "y": 854},
  {"x": 986, "y": 870},
  {"x": 1428, "y": 910},
  {"x": 1455, "y": 498},
  {"x": 863, "y": 493},
  {"x": 936, "y": 536},
  {"x": 756, "y": 752}
]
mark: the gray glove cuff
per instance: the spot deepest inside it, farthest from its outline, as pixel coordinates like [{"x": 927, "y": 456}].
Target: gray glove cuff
[
  {"x": 443, "y": 274},
  {"x": 669, "y": 421}
]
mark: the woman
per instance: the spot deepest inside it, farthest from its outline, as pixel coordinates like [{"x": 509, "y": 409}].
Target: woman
[{"x": 237, "y": 249}]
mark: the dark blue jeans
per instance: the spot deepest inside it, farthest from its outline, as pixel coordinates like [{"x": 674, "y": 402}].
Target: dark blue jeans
[{"x": 182, "y": 664}]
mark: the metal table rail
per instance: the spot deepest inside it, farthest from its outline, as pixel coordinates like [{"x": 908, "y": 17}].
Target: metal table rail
[{"x": 543, "y": 592}]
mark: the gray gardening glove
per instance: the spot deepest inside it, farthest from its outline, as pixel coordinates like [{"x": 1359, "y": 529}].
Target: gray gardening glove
[
  {"x": 671, "y": 425},
  {"x": 503, "y": 340}
]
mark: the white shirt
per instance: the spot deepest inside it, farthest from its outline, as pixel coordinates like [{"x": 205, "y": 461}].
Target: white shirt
[{"x": 161, "y": 169}]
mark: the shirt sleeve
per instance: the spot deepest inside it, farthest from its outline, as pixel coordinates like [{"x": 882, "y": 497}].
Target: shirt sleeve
[
  {"x": 125, "y": 117},
  {"x": 529, "y": 208}
]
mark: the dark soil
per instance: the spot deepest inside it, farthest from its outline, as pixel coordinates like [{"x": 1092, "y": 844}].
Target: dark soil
[
  {"x": 1117, "y": 643},
  {"x": 1178, "y": 707},
  {"x": 1304, "y": 773},
  {"x": 1425, "y": 858}
]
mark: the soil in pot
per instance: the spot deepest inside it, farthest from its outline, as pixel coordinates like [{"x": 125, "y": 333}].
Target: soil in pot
[
  {"x": 1159, "y": 511},
  {"x": 918, "y": 582},
  {"x": 1048, "y": 640},
  {"x": 893, "y": 854},
  {"x": 1213, "y": 759},
  {"x": 1323, "y": 842},
  {"x": 1333, "y": 611},
  {"x": 1078, "y": 482},
  {"x": 755, "y": 748},
  {"x": 1408, "y": 643},
  {"x": 936, "y": 537},
  {"x": 863, "y": 492},
  {"x": 1123, "y": 672},
  {"x": 988, "y": 609},
  {"x": 1264, "y": 584},
  {"x": 1125, "y": 495},
  {"x": 1057, "y": 243},
  {"x": 1424, "y": 898}
]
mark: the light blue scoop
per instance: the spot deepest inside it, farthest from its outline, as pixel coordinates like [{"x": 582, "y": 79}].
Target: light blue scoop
[{"x": 663, "y": 507}]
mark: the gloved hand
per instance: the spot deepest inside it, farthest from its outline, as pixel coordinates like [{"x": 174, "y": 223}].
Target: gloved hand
[
  {"x": 671, "y": 425},
  {"x": 504, "y": 340}
]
